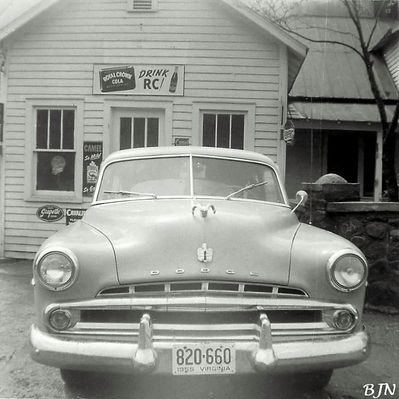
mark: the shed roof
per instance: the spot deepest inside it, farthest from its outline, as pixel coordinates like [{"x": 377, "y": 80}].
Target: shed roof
[
  {"x": 337, "y": 112},
  {"x": 334, "y": 71}
]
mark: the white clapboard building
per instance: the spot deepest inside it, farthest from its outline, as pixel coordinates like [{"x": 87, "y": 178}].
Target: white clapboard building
[{"x": 83, "y": 78}]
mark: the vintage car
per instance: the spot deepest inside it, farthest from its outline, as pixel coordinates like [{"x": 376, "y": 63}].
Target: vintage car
[{"x": 191, "y": 261}]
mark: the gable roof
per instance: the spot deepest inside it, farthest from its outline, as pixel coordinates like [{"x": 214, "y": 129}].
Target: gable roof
[
  {"x": 18, "y": 12},
  {"x": 268, "y": 26},
  {"x": 388, "y": 38}
]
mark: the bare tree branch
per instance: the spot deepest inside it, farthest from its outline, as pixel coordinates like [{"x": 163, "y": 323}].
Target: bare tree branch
[
  {"x": 355, "y": 12},
  {"x": 324, "y": 41}
]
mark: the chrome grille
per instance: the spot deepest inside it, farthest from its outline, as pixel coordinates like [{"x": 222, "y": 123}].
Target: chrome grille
[
  {"x": 213, "y": 287},
  {"x": 193, "y": 317},
  {"x": 187, "y": 316}
]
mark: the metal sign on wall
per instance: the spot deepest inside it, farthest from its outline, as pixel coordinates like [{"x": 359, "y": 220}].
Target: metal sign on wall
[
  {"x": 50, "y": 213},
  {"x": 92, "y": 158},
  {"x": 73, "y": 214},
  {"x": 159, "y": 80}
]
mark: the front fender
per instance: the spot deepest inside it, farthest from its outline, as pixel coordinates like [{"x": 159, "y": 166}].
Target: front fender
[
  {"x": 96, "y": 260},
  {"x": 311, "y": 249}
]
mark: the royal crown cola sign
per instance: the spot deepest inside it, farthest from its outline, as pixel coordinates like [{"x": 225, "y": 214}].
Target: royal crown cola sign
[{"x": 159, "y": 80}]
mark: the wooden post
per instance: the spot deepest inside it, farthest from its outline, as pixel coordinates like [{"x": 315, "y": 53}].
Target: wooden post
[
  {"x": 378, "y": 167},
  {"x": 360, "y": 166}
]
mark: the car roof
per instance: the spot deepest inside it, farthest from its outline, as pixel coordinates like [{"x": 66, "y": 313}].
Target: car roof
[{"x": 189, "y": 150}]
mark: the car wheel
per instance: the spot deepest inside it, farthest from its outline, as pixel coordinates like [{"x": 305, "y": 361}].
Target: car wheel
[
  {"x": 315, "y": 380},
  {"x": 77, "y": 378}
]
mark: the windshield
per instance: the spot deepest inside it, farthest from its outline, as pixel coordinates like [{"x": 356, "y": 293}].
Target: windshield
[{"x": 171, "y": 177}]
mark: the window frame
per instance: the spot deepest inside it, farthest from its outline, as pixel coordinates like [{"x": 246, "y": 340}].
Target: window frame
[
  {"x": 31, "y": 192},
  {"x": 247, "y": 109},
  {"x": 216, "y": 132},
  {"x": 113, "y": 107},
  {"x": 140, "y": 114}
]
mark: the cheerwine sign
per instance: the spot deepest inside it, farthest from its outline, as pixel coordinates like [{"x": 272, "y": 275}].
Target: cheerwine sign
[
  {"x": 161, "y": 80},
  {"x": 50, "y": 213}
]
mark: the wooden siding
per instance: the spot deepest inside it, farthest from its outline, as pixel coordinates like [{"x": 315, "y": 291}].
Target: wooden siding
[
  {"x": 226, "y": 61},
  {"x": 391, "y": 56}
]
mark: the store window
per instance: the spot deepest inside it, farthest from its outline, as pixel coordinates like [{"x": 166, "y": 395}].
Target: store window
[
  {"x": 55, "y": 153},
  {"x": 225, "y": 130},
  {"x": 54, "y": 150}
]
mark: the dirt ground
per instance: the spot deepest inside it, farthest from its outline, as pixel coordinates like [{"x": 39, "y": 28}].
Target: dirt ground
[{"x": 22, "y": 378}]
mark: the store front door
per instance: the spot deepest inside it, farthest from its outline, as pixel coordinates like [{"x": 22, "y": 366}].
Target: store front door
[{"x": 136, "y": 128}]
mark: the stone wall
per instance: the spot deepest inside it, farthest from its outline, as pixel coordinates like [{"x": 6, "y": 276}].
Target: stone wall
[{"x": 371, "y": 226}]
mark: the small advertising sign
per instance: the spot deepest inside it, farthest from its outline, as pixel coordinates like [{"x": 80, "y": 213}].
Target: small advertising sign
[
  {"x": 117, "y": 79},
  {"x": 159, "y": 80},
  {"x": 92, "y": 158},
  {"x": 72, "y": 215},
  {"x": 288, "y": 133},
  {"x": 50, "y": 213},
  {"x": 182, "y": 141}
]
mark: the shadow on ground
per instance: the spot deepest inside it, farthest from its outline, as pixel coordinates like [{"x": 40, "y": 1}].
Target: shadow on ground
[{"x": 121, "y": 387}]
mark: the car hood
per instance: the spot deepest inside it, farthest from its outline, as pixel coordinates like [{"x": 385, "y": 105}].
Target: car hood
[{"x": 163, "y": 239}]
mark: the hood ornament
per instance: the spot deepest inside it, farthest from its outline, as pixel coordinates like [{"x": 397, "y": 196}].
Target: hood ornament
[
  {"x": 205, "y": 254},
  {"x": 204, "y": 209}
]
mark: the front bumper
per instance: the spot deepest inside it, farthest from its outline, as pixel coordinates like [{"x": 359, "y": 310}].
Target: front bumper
[{"x": 149, "y": 355}]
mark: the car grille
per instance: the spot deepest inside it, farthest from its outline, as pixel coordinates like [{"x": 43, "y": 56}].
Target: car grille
[
  {"x": 196, "y": 318},
  {"x": 201, "y": 310},
  {"x": 213, "y": 287}
]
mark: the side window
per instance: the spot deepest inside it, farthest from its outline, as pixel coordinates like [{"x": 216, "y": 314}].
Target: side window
[
  {"x": 54, "y": 150},
  {"x": 225, "y": 130}
]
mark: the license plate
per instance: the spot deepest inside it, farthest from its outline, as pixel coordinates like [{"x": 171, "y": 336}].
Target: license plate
[{"x": 204, "y": 358}]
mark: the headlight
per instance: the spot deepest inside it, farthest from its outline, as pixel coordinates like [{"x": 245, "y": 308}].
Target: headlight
[
  {"x": 347, "y": 270},
  {"x": 56, "y": 269}
]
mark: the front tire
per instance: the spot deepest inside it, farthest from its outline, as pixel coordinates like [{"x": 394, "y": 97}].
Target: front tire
[
  {"x": 314, "y": 380},
  {"x": 78, "y": 379}
]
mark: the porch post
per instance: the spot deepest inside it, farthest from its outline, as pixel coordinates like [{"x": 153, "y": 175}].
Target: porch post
[{"x": 378, "y": 167}]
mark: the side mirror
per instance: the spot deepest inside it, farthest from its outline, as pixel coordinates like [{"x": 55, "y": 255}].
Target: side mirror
[{"x": 302, "y": 197}]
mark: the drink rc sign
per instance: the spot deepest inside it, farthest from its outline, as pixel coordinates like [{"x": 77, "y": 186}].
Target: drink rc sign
[{"x": 164, "y": 80}]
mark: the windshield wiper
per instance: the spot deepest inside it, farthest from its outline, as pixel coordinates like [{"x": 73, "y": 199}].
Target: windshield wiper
[
  {"x": 249, "y": 187},
  {"x": 130, "y": 193}
]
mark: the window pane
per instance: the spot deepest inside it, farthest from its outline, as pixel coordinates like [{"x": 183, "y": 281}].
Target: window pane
[
  {"x": 152, "y": 132},
  {"x": 223, "y": 131},
  {"x": 237, "y": 132},
  {"x": 68, "y": 129},
  {"x": 139, "y": 132},
  {"x": 55, "y": 128},
  {"x": 208, "y": 130},
  {"x": 125, "y": 133},
  {"x": 55, "y": 171},
  {"x": 41, "y": 128}
]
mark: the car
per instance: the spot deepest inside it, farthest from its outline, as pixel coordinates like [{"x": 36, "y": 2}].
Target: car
[{"x": 191, "y": 261}]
